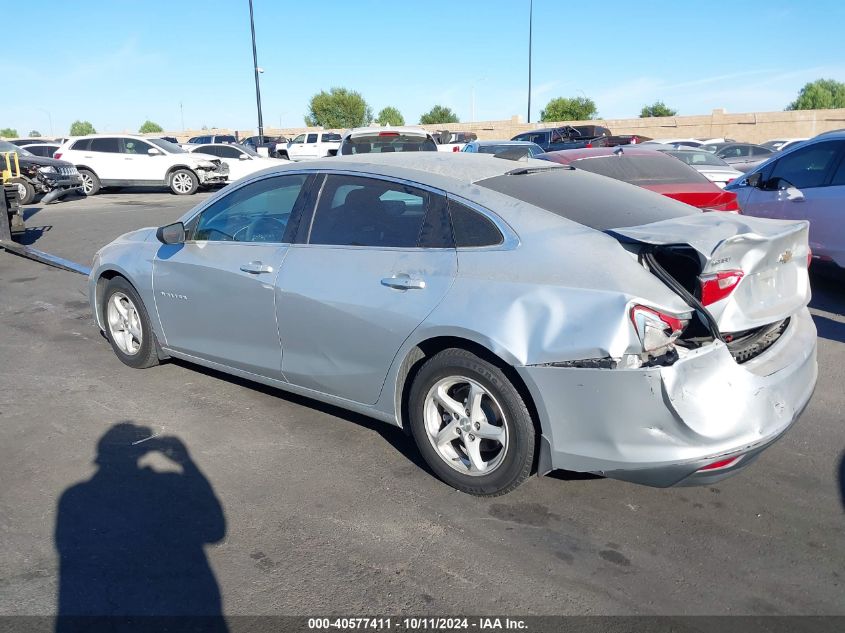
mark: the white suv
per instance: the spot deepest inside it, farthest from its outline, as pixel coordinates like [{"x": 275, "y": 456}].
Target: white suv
[{"x": 127, "y": 160}]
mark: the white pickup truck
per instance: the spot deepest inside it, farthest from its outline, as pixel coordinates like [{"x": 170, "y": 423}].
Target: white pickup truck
[
  {"x": 310, "y": 146},
  {"x": 452, "y": 141}
]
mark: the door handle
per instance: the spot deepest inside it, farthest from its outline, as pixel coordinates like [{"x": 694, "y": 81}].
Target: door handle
[
  {"x": 403, "y": 282},
  {"x": 256, "y": 268}
]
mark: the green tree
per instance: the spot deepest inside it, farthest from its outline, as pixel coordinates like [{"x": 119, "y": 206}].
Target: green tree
[
  {"x": 390, "y": 116},
  {"x": 821, "y": 94},
  {"x": 338, "y": 108},
  {"x": 566, "y": 109},
  {"x": 439, "y": 114},
  {"x": 150, "y": 127},
  {"x": 658, "y": 108},
  {"x": 34, "y": 134},
  {"x": 8, "y": 132},
  {"x": 81, "y": 128}
]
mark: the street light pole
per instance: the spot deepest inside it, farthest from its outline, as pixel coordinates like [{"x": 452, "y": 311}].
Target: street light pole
[
  {"x": 49, "y": 117},
  {"x": 530, "y": 29},
  {"x": 255, "y": 69}
]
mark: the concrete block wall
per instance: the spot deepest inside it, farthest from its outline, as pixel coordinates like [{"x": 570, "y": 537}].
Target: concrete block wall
[{"x": 754, "y": 127}]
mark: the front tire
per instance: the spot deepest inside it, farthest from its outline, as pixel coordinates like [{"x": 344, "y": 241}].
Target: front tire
[
  {"x": 471, "y": 424},
  {"x": 128, "y": 325},
  {"x": 26, "y": 192},
  {"x": 184, "y": 182},
  {"x": 90, "y": 183}
]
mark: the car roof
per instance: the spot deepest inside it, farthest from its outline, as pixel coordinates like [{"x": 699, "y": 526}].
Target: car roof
[
  {"x": 514, "y": 143},
  {"x": 430, "y": 167},
  {"x": 402, "y": 129}
]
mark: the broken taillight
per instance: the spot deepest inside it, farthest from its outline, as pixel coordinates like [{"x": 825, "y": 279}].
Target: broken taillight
[
  {"x": 656, "y": 330},
  {"x": 719, "y": 285},
  {"x": 722, "y": 463}
]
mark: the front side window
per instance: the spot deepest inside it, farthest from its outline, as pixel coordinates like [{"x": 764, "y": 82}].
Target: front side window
[
  {"x": 107, "y": 145},
  {"x": 228, "y": 151},
  {"x": 134, "y": 146},
  {"x": 805, "y": 167},
  {"x": 258, "y": 212},
  {"x": 760, "y": 151},
  {"x": 359, "y": 211},
  {"x": 299, "y": 139}
]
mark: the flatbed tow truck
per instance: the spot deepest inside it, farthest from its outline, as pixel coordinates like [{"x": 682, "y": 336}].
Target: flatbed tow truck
[{"x": 12, "y": 219}]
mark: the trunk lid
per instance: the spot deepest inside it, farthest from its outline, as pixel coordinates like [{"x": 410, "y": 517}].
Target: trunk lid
[
  {"x": 771, "y": 254},
  {"x": 703, "y": 195}
]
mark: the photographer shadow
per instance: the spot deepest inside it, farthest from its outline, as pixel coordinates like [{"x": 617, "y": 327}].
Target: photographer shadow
[{"x": 131, "y": 540}]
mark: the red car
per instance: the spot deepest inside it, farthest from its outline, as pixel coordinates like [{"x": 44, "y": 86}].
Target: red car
[{"x": 652, "y": 170}]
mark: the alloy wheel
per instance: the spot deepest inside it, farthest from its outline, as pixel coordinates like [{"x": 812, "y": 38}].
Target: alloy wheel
[
  {"x": 124, "y": 324},
  {"x": 465, "y": 425},
  {"x": 182, "y": 182}
]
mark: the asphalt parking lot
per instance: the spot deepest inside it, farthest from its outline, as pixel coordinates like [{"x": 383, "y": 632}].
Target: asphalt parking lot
[{"x": 323, "y": 511}]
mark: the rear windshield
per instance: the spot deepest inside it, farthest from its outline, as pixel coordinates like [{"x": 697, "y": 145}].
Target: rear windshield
[
  {"x": 640, "y": 170},
  {"x": 380, "y": 143},
  {"x": 598, "y": 203},
  {"x": 699, "y": 158}
]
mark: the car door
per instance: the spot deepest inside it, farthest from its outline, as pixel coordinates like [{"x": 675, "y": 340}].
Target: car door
[
  {"x": 138, "y": 164},
  {"x": 802, "y": 185},
  {"x": 215, "y": 293},
  {"x": 103, "y": 156},
  {"x": 296, "y": 149},
  {"x": 311, "y": 147},
  {"x": 372, "y": 266}
]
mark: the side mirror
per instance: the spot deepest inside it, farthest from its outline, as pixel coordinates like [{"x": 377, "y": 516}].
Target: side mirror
[
  {"x": 754, "y": 180},
  {"x": 171, "y": 233},
  {"x": 244, "y": 157},
  {"x": 153, "y": 151}
]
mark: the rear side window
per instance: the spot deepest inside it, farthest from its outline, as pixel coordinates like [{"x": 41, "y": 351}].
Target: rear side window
[
  {"x": 82, "y": 145},
  {"x": 108, "y": 145},
  {"x": 471, "y": 228},
  {"x": 359, "y": 211},
  {"x": 804, "y": 168},
  {"x": 226, "y": 138},
  {"x": 208, "y": 149}
]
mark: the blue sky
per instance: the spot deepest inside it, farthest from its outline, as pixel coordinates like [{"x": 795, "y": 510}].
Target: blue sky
[{"x": 119, "y": 62}]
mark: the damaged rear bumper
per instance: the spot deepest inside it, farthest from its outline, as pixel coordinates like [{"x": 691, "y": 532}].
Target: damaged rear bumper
[{"x": 660, "y": 425}]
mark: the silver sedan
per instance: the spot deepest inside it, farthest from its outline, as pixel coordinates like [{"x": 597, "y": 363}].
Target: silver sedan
[{"x": 514, "y": 317}]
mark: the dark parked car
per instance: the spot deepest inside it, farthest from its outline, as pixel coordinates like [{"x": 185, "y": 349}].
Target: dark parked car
[
  {"x": 269, "y": 142},
  {"x": 567, "y": 137},
  {"x": 652, "y": 170},
  {"x": 39, "y": 174},
  {"x": 741, "y": 156}
]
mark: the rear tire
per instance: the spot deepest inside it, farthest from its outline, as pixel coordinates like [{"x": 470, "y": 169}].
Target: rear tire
[
  {"x": 26, "y": 192},
  {"x": 127, "y": 325},
  {"x": 90, "y": 183},
  {"x": 183, "y": 182},
  {"x": 470, "y": 424}
]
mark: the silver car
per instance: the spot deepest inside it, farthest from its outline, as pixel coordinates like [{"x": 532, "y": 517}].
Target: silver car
[
  {"x": 805, "y": 182},
  {"x": 513, "y": 317}
]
